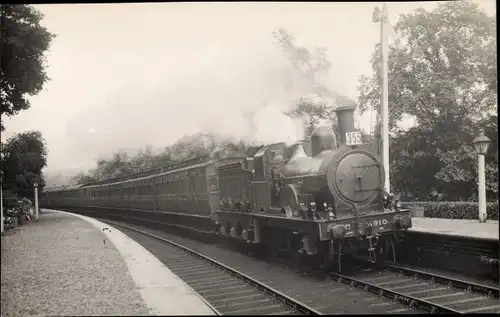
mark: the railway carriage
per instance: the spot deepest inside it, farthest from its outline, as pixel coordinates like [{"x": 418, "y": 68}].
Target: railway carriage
[{"x": 329, "y": 201}]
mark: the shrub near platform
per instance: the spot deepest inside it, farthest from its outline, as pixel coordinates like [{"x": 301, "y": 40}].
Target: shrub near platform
[{"x": 454, "y": 209}]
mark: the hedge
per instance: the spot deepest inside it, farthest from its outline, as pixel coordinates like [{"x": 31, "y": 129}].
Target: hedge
[{"x": 454, "y": 209}]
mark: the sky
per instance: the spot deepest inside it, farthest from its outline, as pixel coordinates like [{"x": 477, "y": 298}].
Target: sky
[{"x": 124, "y": 76}]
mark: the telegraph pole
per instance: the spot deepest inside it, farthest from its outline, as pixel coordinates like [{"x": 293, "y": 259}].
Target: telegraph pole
[{"x": 382, "y": 17}]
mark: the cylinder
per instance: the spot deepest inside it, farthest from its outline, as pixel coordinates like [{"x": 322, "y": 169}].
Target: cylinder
[{"x": 345, "y": 117}]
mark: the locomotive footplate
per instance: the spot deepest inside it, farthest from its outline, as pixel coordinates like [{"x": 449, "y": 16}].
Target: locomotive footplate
[
  {"x": 365, "y": 225},
  {"x": 350, "y": 227}
]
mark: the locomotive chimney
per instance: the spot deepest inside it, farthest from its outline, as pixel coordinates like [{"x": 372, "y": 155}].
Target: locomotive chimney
[{"x": 345, "y": 116}]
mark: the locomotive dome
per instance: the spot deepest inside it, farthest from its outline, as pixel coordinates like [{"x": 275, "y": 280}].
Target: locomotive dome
[{"x": 323, "y": 139}]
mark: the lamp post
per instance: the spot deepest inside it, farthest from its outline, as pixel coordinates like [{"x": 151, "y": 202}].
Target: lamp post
[
  {"x": 481, "y": 144},
  {"x": 1, "y": 199},
  {"x": 36, "y": 200}
]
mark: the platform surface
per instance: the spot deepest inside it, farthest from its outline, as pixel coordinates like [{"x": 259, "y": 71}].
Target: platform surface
[
  {"x": 457, "y": 227},
  {"x": 66, "y": 264}
]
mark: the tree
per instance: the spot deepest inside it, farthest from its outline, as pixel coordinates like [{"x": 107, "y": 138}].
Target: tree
[
  {"x": 22, "y": 69},
  {"x": 143, "y": 160},
  {"x": 445, "y": 76},
  {"x": 83, "y": 178},
  {"x": 448, "y": 65},
  {"x": 117, "y": 166},
  {"x": 190, "y": 146},
  {"x": 23, "y": 158}
]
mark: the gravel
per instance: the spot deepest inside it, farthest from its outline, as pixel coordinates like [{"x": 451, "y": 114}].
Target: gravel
[
  {"x": 61, "y": 266},
  {"x": 325, "y": 296}
]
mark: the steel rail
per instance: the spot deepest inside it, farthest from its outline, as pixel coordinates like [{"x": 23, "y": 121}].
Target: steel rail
[
  {"x": 396, "y": 296},
  {"x": 449, "y": 281},
  {"x": 286, "y": 300}
]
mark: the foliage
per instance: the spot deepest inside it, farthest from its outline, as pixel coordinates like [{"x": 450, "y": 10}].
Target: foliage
[
  {"x": 197, "y": 145},
  {"x": 83, "y": 178},
  {"x": 117, "y": 166},
  {"x": 445, "y": 77},
  {"x": 24, "y": 42},
  {"x": 23, "y": 158},
  {"x": 448, "y": 65},
  {"x": 455, "y": 210}
]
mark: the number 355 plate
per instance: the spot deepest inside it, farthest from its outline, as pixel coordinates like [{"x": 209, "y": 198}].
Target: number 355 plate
[{"x": 353, "y": 138}]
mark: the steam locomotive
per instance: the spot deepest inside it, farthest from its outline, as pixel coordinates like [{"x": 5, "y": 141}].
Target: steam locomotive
[{"x": 329, "y": 203}]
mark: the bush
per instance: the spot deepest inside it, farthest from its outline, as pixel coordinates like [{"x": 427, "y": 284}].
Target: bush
[{"x": 454, "y": 209}]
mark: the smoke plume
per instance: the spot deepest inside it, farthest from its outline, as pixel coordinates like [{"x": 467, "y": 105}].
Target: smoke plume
[{"x": 238, "y": 94}]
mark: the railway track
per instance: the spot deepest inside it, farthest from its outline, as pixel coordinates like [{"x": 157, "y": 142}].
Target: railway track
[
  {"x": 430, "y": 292},
  {"x": 227, "y": 291},
  {"x": 412, "y": 290}
]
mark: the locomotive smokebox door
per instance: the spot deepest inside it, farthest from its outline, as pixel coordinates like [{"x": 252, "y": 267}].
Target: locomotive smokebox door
[{"x": 355, "y": 177}]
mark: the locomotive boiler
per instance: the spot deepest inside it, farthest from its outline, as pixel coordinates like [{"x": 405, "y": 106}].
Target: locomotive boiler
[{"x": 333, "y": 182}]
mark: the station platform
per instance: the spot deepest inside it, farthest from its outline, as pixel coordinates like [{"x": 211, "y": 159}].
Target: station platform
[
  {"x": 68, "y": 264},
  {"x": 457, "y": 227}
]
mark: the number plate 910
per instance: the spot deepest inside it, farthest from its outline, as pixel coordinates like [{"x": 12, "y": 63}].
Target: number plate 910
[{"x": 381, "y": 222}]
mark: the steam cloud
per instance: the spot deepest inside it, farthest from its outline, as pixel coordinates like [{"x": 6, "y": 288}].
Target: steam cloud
[{"x": 240, "y": 94}]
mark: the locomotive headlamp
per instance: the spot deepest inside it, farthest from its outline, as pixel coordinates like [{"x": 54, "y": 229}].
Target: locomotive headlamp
[
  {"x": 329, "y": 211},
  {"x": 312, "y": 204}
]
